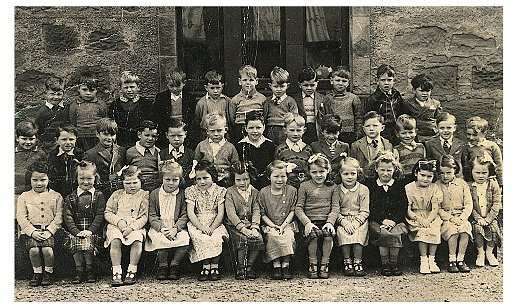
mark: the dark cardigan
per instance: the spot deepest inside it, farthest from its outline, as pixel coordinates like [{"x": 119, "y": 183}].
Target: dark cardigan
[
  {"x": 72, "y": 214},
  {"x": 180, "y": 212},
  {"x": 391, "y": 205}
]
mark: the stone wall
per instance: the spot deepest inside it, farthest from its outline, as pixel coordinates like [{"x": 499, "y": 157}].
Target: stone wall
[
  {"x": 460, "y": 47},
  {"x": 102, "y": 41}
]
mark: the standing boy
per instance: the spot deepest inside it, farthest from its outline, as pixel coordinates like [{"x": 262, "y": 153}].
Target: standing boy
[{"x": 52, "y": 111}]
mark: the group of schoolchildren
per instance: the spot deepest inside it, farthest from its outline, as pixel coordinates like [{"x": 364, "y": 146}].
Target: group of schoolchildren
[{"x": 265, "y": 171}]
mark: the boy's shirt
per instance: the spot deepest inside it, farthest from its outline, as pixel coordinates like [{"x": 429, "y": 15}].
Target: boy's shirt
[
  {"x": 408, "y": 155},
  {"x": 389, "y": 106},
  {"x": 241, "y": 104},
  {"x": 318, "y": 106},
  {"x": 107, "y": 160},
  {"x": 128, "y": 115},
  {"x": 424, "y": 114},
  {"x": 22, "y": 160},
  {"x": 365, "y": 150},
  {"x": 168, "y": 106},
  {"x": 222, "y": 154},
  {"x": 85, "y": 114},
  {"x": 50, "y": 114},
  {"x": 184, "y": 156},
  {"x": 435, "y": 149},
  {"x": 349, "y": 107},
  {"x": 62, "y": 169},
  {"x": 274, "y": 109},
  {"x": 146, "y": 159}
]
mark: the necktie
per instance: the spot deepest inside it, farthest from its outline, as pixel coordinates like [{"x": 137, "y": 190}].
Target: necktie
[
  {"x": 296, "y": 148},
  {"x": 446, "y": 147},
  {"x": 276, "y": 100},
  {"x": 374, "y": 143}
]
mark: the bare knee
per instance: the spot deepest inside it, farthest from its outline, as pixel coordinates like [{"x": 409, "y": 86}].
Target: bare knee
[{"x": 115, "y": 244}]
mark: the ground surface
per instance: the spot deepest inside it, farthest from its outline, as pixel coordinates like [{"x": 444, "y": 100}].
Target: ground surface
[{"x": 484, "y": 284}]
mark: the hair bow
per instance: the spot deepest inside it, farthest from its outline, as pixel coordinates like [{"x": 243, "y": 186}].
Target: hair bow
[
  {"x": 290, "y": 166},
  {"x": 119, "y": 173},
  {"x": 429, "y": 163},
  {"x": 192, "y": 174},
  {"x": 343, "y": 154}
]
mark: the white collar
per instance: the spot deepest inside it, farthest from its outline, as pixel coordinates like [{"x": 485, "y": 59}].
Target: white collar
[
  {"x": 210, "y": 190},
  {"x": 247, "y": 192},
  {"x": 51, "y": 106},
  {"x": 16, "y": 149},
  {"x": 163, "y": 192},
  {"x": 450, "y": 140},
  {"x": 60, "y": 152},
  {"x": 291, "y": 145},
  {"x": 174, "y": 97},
  {"x": 124, "y": 99},
  {"x": 312, "y": 96},
  {"x": 246, "y": 139},
  {"x": 210, "y": 98},
  {"x": 220, "y": 143},
  {"x": 353, "y": 189},
  {"x": 142, "y": 150},
  {"x": 181, "y": 149},
  {"x": 331, "y": 145},
  {"x": 81, "y": 191},
  {"x": 380, "y": 184}
]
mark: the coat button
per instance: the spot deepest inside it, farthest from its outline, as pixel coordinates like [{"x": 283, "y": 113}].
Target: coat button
[
  {"x": 42, "y": 215},
  {"x": 42, "y": 209}
]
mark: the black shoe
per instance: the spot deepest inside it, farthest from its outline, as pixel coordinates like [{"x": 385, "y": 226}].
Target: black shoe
[
  {"x": 117, "y": 280},
  {"x": 277, "y": 273},
  {"x": 324, "y": 271},
  {"x": 90, "y": 277},
  {"x": 131, "y": 278},
  {"x": 463, "y": 267},
  {"x": 348, "y": 269},
  {"x": 162, "y": 273},
  {"x": 173, "y": 273},
  {"x": 286, "y": 273},
  {"x": 36, "y": 280},
  {"x": 313, "y": 271},
  {"x": 358, "y": 269},
  {"x": 452, "y": 267},
  {"x": 204, "y": 275},
  {"x": 240, "y": 274},
  {"x": 386, "y": 271},
  {"x": 395, "y": 270},
  {"x": 77, "y": 278},
  {"x": 250, "y": 273},
  {"x": 47, "y": 279},
  {"x": 214, "y": 274}
]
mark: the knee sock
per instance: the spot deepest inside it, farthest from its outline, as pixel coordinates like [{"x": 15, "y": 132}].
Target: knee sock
[
  {"x": 453, "y": 258},
  {"x": 179, "y": 254},
  {"x": 393, "y": 257},
  {"x": 460, "y": 257},
  {"x": 384, "y": 260},
  {"x": 49, "y": 269},
  {"x": 327, "y": 247},
  {"x": 37, "y": 270}
]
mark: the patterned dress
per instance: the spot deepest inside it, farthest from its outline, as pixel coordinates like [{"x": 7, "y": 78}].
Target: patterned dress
[
  {"x": 457, "y": 203},
  {"x": 206, "y": 209},
  {"x": 424, "y": 203},
  {"x": 354, "y": 209}
]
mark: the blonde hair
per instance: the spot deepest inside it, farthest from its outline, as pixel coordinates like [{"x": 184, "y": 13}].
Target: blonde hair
[
  {"x": 387, "y": 157},
  {"x": 249, "y": 71},
  {"x": 212, "y": 119},
  {"x": 349, "y": 161},
  {"x": 171, "y": 167},
  {"x": 279, "y": 75},
  {"x": 129, "y": 77},
  {"x": 290, "y": 117},
  {"x": 276, "y": 165}
]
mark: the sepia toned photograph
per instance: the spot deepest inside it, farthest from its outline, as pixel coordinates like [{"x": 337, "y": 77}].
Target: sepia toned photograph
[{"x": 258, "y": 154}]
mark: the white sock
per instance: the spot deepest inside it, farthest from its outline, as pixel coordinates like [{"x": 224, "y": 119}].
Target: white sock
[
  {"x": 424, "y": 258},
  {"x": 117, "y": 269},
  {"x": 460, "y": 257},
  {"x": 38, "y": 270},
  {"x": 432, "y": 258},
  {"x": 49, "y": 269},
  {"x": 452, "y": 258},
  {"x": 206, "y": 266},
  {"x": 132, "y": 268}
]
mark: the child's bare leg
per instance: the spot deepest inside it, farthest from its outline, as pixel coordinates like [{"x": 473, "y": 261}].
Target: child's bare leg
[
  {"x": 346, "y": 251},
  {"x": 48, "y": 259},
  {"x": 312, "y": 251},
  {"x": 490, "y": 246},
  {"x": 35, "y": 257},
  {"x": 327, "y": 247},
  {"x": 179, "y": 254},
  {"x": 463, "y": 244},
  {"x": 452, "y": 247},
  {"x": 423, "y": 249},
  {"x": 357, "y": 252},
  {"x": 115, "y": 252},
  {"x": 481, "y": 255},
  {"x": 135, "y": 253}
]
